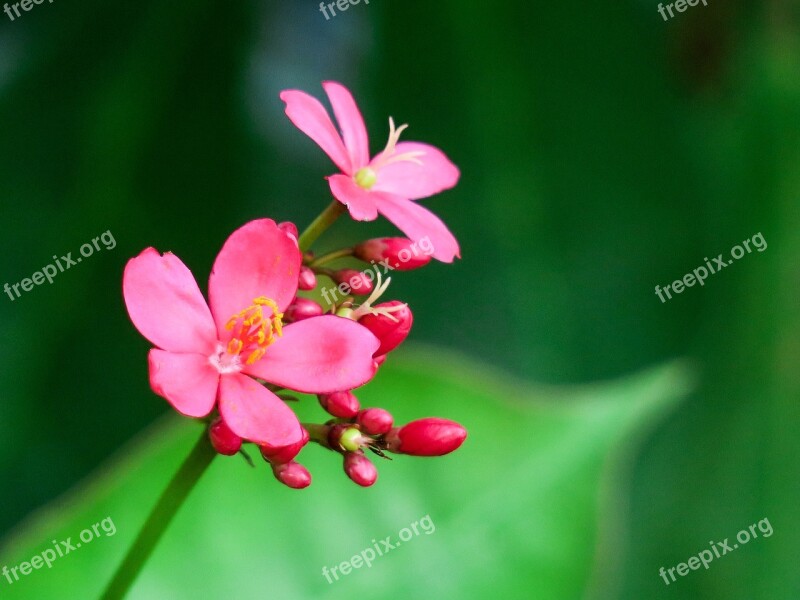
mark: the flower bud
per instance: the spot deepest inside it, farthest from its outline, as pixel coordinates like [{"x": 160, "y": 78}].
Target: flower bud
[
  {"x": 302, "y": 308},
  {"x": 345, "y": 437},
  {"x": 283, "y": 454},
  {"x": 401, "y": 253},
  {"x": 340, "y": 404},
  {"x": 307, "y": 280},
  {"x": 390, "y": 333},
  {"x": 223, "y": 439},
  {"x": 293, "y": 475},
  {"x": 289, "y": 228},
  {"x": 359, "y": 468},
  {"x": 358, "y": 282},
  {"x": 426, "y": 437},
  {"x": 375, "y": 421}
]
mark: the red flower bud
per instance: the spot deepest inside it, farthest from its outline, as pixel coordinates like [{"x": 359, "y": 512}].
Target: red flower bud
[
  {"x": 307, "y": 280},
  {"x": 340, "y": 404},
  {"x": 375, "y": 421},
  {"x": 358, "y": 282},
  {"x": 359, "y": 468},
  {"x": 293, "y": 475},
  {"x": 390, "y": 333},
  {"x": 302, "y": 308},
  {"x": 284, "y": 454},
  {"x": 223, "y": 439},
  {"x": 426, "y": 437},
  {"x": 401, "y": 253},
  {"x": 289, "y": 228}
]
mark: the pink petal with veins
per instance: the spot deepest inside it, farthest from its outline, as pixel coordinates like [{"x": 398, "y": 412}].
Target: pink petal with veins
[
  {"x": 310, "y": 117},
  {"x": 319, "y": 355},
  {"x": 258, "y": 259},
  {"x": 187, "y": 381},
  {"x": 256, "y": 414},
  {"x": 166, "y": 305}
]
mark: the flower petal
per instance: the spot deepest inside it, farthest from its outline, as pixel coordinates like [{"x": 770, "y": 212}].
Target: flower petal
[
  {"x": 256, "y": 414},
  {"x": 351, "y": 123},
  {"x": 358, "y": 201},
  {"x": 418, "y": 223},
  {"x": 166, "y": 305},
  {"x": 187, "y": 381},
  {"x": 319, "y": 356},
  {"x": 258, "y": 259},
  {"x": 310, "y": 117},
  {"x": 411, "y": 180}
]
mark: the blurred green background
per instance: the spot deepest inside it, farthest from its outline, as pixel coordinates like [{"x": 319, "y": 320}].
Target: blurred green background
[{"x": 603, "y": 151}]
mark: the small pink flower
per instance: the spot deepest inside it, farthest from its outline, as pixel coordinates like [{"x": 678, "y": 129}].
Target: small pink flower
[
  {"x": 206, "y": 357},
  {"x": 388, "y": 183}
]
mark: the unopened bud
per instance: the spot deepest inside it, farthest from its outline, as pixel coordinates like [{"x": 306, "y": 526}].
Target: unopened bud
[
  {"x": 307, "y": 280},
  {"x": 359, "y": 468},
  {"x": 293, "y": 475},
  {"x": 340, "y": 404},
  {"x": 358, "y": 282},
  {"x": 289, "y": 228},
  {"x": 302, "y": 308},
  {"x": 284, "y": 454},
  {"x": 426, "y": 437},
  {"x": 390, "y": 329},
  {"x": 401, "y": 253},
  {"x": 347, "y": 438},
  {"x": 375, "y": 421},
  {"x": 223, "y": 439}
]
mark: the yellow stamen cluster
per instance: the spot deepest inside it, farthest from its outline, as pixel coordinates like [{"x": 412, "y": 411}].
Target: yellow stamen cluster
[{"x": 252, "y": 330}]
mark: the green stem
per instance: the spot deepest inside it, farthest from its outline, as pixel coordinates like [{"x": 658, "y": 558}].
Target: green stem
[
  {"x": 168, "y": 505},
  {"x": 331, "y": 256},
  {"x": 320, "y": 224},
  {"x": 317, "y": 433}
]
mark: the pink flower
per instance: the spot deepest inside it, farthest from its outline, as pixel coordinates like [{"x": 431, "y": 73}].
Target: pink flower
[
  {"x": 206, "y": 357},
  {"x": 390, "y": 182}
]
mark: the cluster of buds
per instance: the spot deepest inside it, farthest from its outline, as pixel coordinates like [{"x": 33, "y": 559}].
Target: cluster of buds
[
  {"x": 354, "y": 431},
  {"x": 382, "y": 256},
  {"x": 368, "y": 429},
  {"x": 372, "y": 429}
]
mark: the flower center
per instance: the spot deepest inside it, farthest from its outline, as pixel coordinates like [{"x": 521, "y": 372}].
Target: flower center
[
  {"x": 253, "y": 332},
  {"x": 366, "y": 177}
]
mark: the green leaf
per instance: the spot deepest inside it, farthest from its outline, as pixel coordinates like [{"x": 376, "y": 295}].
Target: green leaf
[{"x": 523, "y": 510}]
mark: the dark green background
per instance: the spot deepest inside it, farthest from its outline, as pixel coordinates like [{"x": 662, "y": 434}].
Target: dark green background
[{"x": 603, "y": 151}]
